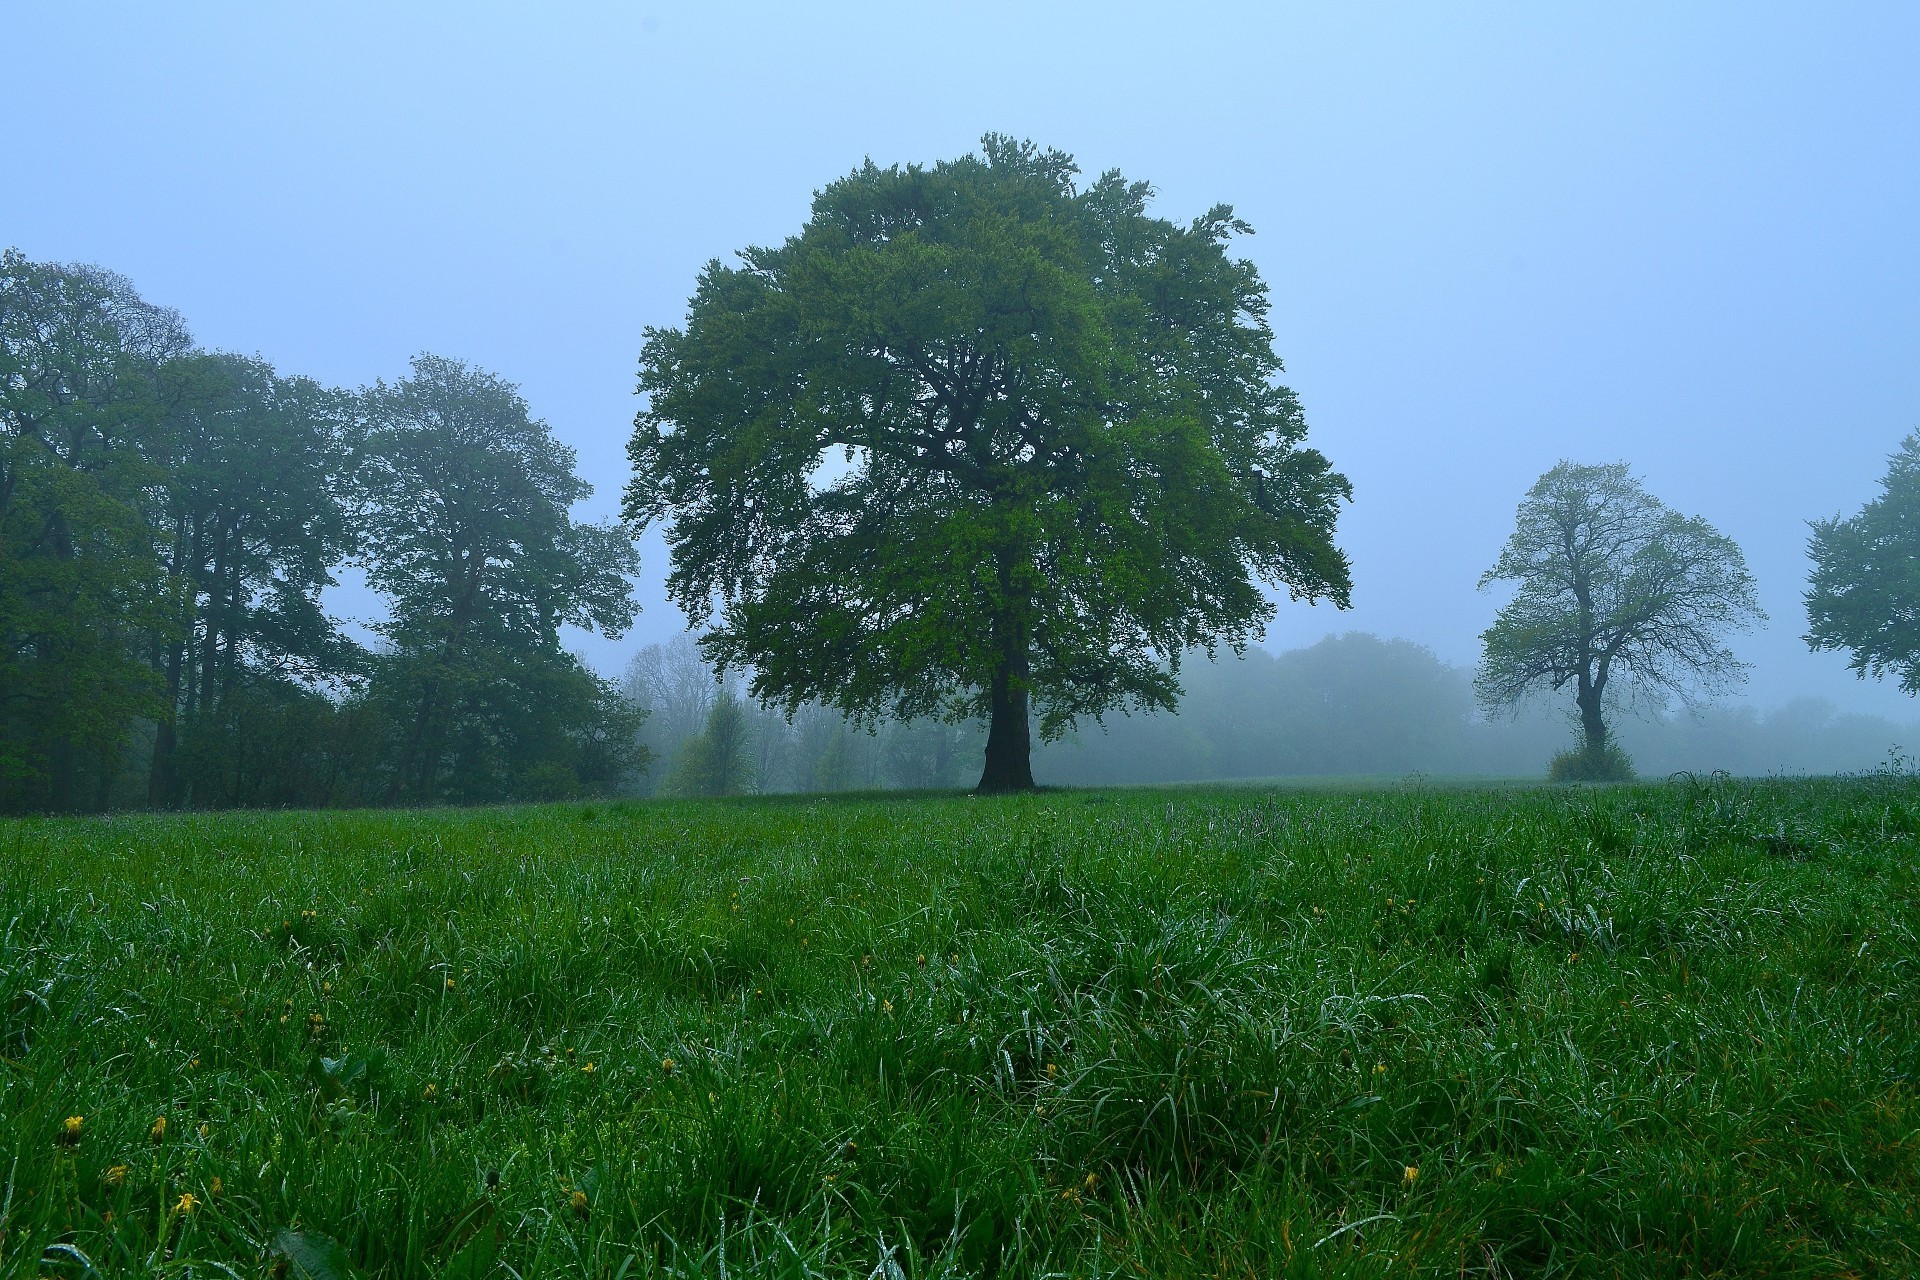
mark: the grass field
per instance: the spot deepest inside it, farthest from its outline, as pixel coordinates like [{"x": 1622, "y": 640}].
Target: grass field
[{"x": 1656, "y": 1030}]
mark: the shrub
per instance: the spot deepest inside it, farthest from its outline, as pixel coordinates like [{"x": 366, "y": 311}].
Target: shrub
[{"x": 1586, "y": 764}]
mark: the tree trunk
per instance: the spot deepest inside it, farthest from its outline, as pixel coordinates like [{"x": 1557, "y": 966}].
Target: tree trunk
[
  {"x": 160, "y": 772},
  {"x": 1009, "y": 764},
  {"x": 1593, "y": 727}
]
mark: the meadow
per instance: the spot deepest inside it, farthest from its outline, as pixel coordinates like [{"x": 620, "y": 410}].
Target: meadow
[{"x": 1653, "y": 1030}]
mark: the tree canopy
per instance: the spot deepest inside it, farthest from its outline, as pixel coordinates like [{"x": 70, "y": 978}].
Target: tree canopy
[
  {"x": 980, "y": 441},
  {"x": 1864, "y": 595},
  {"x": 1612, "y": 585}
]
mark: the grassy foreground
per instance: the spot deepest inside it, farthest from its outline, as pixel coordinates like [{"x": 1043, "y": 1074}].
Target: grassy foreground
[{"x": 1659, "y": 1030}]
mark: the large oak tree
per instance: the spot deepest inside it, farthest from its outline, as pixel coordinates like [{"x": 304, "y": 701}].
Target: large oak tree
[{"x": 981, "y": 441}]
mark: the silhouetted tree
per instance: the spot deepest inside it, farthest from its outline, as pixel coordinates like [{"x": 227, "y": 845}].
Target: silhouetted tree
[
  {"x": 1612, "y": 585},
  {"x": 1864, "y": 595},
  {"x": 1066, "y": 456}
]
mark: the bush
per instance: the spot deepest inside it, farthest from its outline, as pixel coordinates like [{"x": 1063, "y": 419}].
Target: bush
[{"x": 1586, "y": 764}]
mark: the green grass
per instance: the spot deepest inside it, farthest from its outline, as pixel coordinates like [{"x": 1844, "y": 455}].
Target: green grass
[{"x": 1654, "y": 1030}]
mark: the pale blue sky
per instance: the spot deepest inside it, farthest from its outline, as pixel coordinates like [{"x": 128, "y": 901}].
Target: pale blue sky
[{"x": 1687, "y": 236}]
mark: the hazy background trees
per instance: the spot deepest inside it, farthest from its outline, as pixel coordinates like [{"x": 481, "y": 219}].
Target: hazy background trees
[{"x": 1352, "y": 705}]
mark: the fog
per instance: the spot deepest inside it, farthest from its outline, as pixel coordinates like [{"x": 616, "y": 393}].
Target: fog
[
  {"x": 1496, "y": 238},
  {"x": 1351, "y": 705}
]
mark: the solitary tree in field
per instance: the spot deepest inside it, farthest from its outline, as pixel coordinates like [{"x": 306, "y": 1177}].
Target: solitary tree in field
[
  {"x": 1613, "y": 585},
  {"x": 979, "y": 441},
  {"x": 1864, "y": 595}
]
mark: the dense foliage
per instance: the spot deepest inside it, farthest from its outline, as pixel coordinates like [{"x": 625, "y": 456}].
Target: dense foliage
[
  {"x": 979, "y": 442},
  {"x": 169, "y": 518},
  {"x": 1259, "y": 1033},
  {"x": 1864, "y": 595}
]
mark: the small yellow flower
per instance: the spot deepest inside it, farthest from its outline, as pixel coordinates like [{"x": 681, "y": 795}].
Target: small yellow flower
[
  {"x": 587, "y": 1069},
  {"x": 1053, "y": 1069},
  {"x": 579, "y": 1202},
  {"x": 115, "y": 1175},
  {"x": 1093, "y": 1180},
  {"x": 430, "y": 1091},
  {"x": 666, "y": 1065},
  {"x": 159, "y": 1130},
  {"x": 1410, "y": 1175},
  {"x": 187, "y": 1202},
  {"x": 449, "y": 984},
  {"x": 203, "y": 1131},
  {"x": 886, "y": 1006},
  {"x": 1379, "y": 1068},
  {"x": 70, "y": 1129},
  {"x": 921, "y": 960},
  {"x": 215, "y": 1187}
]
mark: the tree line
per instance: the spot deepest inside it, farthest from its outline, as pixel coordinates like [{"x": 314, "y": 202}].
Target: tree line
[
  {"x": 169, "y": 517},
  {"x": 982, "y": 446}
]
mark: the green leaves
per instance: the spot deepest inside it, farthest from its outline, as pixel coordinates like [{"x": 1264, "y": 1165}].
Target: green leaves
[
  {"x": 351, "y": 1075},
  {"x": 312, "y": 1256}
]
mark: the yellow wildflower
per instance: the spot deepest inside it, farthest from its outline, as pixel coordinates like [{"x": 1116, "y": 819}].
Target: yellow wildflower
[
  {"x": 579, "y": 1202},
  {"x": 187, "y": 1202},
  {"x": 587, "y": 1070},
  {"x": 159, "y": 1130},
  {"x": 666, "y": 1065},
  {"x": 1410, "y": 1175},
  {"x": 115, "y": 1175},
  {"x": 70, "y": 1129}
]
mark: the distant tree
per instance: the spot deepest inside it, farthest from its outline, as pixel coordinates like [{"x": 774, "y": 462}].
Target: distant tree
[
  {"x": 80, "y": 589},
  {"x": 677, "y": 689},
  {"x": 1864, "y": 595},
  {"x": 718, "y": 761},
  {"x": 1612, "y": 585},
  {"x": 979, "y": 443},
  {"x": 464, "y": 522}
]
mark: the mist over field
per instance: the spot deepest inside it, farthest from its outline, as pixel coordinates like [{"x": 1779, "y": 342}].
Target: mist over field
[{"x": 1353, "y": 705}]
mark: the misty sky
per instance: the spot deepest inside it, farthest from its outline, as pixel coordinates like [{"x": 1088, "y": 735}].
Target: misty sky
[{"x": 1683, "y": 236}]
